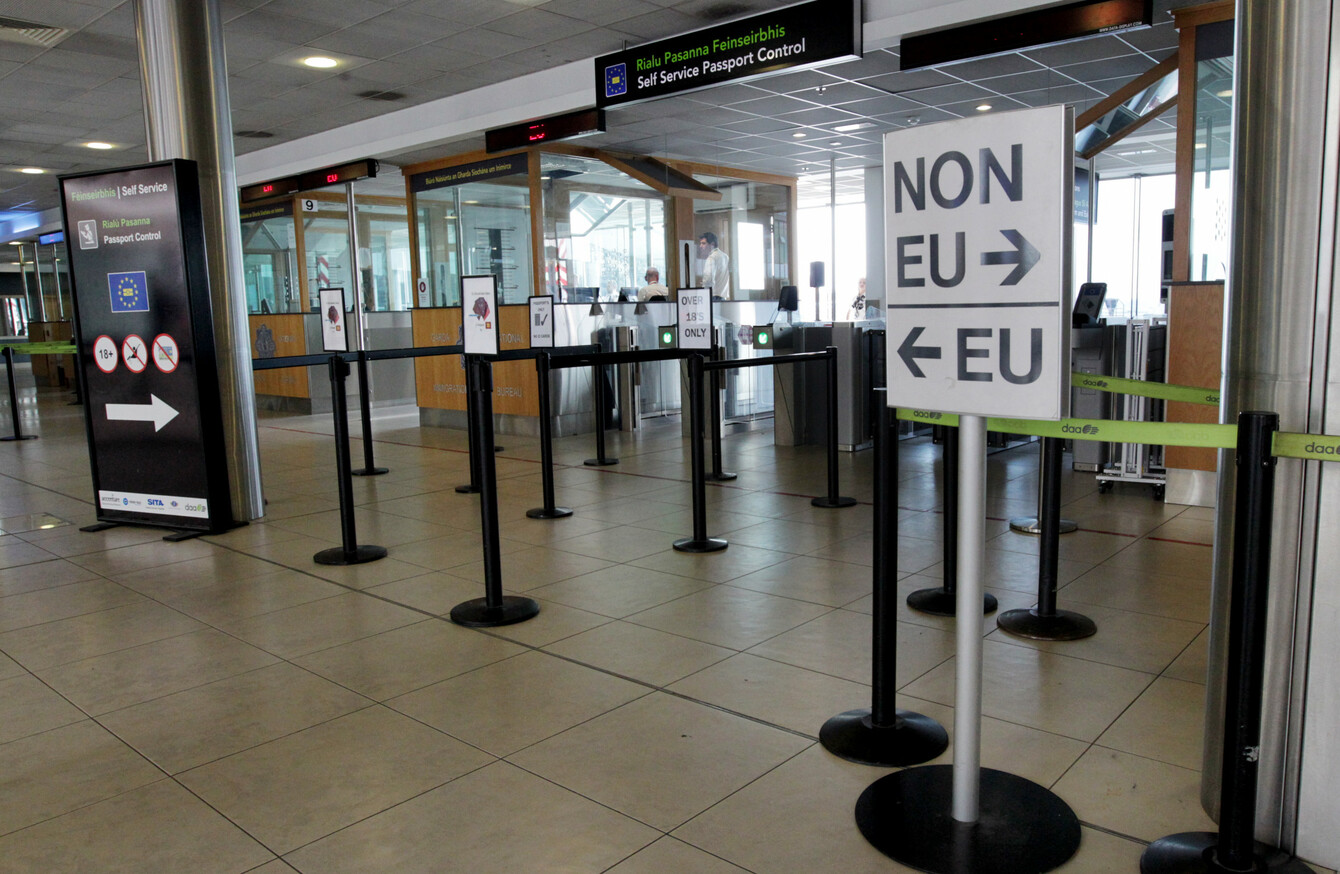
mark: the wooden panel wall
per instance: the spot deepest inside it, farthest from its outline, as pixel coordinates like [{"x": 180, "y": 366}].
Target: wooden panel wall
[
  {"x": 439, "y": 381},
  {"x": 287, "y": 331},
  {"x": 1195, "y": 357}
]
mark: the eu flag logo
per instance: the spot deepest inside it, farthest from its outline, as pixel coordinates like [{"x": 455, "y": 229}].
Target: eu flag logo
[
  {"x": 616, "y": 80},
  {"x": 130, "y": 292}
]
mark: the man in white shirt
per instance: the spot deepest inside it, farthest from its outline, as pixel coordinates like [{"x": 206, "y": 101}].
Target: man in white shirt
[
  {"x": 716, "y": 266},
  {"x": 653, "y": 286}
]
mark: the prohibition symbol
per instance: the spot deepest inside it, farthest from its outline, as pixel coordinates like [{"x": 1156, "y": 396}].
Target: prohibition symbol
[
  {"x": 166, "y": 353},
  {"x": 104, "y": 353},
  {"x": 134, "y": 352}
]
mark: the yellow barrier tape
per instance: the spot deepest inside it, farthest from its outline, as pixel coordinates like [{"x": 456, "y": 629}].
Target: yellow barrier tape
[
  {"x": 1316, "y": 447},
  {"x": 52, "y": 348},
  {"x": 1158, "y": 390},
  {"x": 1150, "y": 433}
]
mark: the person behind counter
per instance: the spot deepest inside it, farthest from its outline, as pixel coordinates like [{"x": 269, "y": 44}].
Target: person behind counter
[
  {"x": 716, "y": 266},
  {"x": 653, "y": 288},
  {"x": 857, "y": 309}
]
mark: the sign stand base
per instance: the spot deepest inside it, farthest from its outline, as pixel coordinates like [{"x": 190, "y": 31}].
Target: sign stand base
[
  {"x": 1021, "y": 826},
  {"x": 911, "y": 740},
  {"x": 832, "y": 503},
  {"x": 477, "y": 613},
  {"x": 1193, "y": 853},
  {"x": 1062, "y": 625},
  {"x": 944, "y": 602},
  {"x": 357, "y": 555},
  {"x": 549, "y": 513},
  {"x": 707, "y": 544},
  {"x": 369, "y": 471},
  {"x": 1031, "y": 525}
]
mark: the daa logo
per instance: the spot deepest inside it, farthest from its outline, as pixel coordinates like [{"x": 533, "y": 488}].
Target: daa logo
[{"x": 1076, "y": 429}]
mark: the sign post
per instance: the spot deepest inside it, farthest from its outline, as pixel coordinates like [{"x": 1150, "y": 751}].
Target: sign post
[
  {"x": 146, "y": 342},
  {"x": 978, "y": 214}
]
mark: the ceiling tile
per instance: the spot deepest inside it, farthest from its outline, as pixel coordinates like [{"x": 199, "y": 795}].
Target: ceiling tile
[
  {"x": 1078, "y": 51},
  {"x": 895, "y": 83},
  {"x": 538, "y": 25}
]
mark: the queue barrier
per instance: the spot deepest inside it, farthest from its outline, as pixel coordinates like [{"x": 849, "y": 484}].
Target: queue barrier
[
  {"x": 1161, "y": 391},
  {"x": 9, "y": 351}
]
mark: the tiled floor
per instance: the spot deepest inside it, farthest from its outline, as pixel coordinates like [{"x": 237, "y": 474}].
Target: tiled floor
[{"x": 227, "y": 705}]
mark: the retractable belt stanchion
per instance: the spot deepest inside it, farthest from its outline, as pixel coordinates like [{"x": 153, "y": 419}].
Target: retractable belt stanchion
[
  {"x": 1045, "y": 622},
  {"x": 833, "y": 500},
  {"x": 494, "y": 608},
  {"x": 602, "y": 407},
  {"x": 370, "y": 467},
  {"x": 1049, "y": 467},
  {"x": 350, "y": 552},
  {"x": 943, "y": 601},
  {"x": 965, "y": 818},
  {"x": 884, "y": 735},
  {"x": 472, "y": 436},
  {"x": 714, "y": 422},
  {"x": 548, "y": 511},
  {"x": 699, "y": 542},
  {"x": 14, "y": 401},
  {"x": 1234, "y": 848}
]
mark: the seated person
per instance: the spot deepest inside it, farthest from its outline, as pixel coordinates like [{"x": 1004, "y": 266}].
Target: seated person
[{"x": 653, "y": 288}]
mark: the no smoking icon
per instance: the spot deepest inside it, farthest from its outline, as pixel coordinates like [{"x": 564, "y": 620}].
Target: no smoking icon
[{"x": 166, "y": 353}]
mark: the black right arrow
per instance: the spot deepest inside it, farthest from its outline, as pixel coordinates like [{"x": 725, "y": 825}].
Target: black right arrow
[
  {"x": 910, "y": 353},
  {"x": 1023, "y": 257}
]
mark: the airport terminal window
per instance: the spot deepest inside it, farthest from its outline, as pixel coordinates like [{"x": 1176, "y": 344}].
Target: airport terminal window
[
  {"x": 747, "y": 212},
  {"x": 1212, "y": 188},
  {"x": 472, "y": 229},
  {"x": 384, "y": 256},
  {"x": 325, "y": 237},
  {"x": 1128, "y": 247},
  {"x": 269, "y": 255},
  {"x": 603, "y": 229}
]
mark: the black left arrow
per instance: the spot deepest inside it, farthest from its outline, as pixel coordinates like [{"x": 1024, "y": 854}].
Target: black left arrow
[
  {"x": 910, "y": 353},
  {"x": 1023, "y": 257}
]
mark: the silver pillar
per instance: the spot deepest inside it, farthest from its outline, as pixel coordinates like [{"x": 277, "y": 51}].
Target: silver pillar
[
  {"x": 967, "y": 767},
  {"x": 186, "y": 113},
  {"x": 37, "y": 306},
  {"x": 1280, "y": 315}
]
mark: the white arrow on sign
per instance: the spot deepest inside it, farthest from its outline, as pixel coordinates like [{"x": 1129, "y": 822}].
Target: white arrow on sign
[{"x": 156, "y": 411}]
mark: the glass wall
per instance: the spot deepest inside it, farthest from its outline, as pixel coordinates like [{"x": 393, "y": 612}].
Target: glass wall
[
  {"x": 269, "y": 260},
  {"x": 1128, "y": 243},
  {"x": 1212, "y": 187},
  {"x": 751, "y": 225}
]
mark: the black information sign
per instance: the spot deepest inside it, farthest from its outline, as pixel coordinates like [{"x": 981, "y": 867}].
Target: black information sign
[
  {"x": 146, "y": 346},
  {"x": 793, "y": 37},
  {"x": 478, "y": 171}
]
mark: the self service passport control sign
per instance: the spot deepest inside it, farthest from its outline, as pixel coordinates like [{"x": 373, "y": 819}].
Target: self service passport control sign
[{"x": 143, "y": 326}]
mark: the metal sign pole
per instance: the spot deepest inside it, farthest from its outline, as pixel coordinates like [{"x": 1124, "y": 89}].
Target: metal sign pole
[{"x": 968, "y": 628}]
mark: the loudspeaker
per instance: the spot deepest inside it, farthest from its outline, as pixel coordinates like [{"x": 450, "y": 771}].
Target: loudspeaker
[
  {"x": 816, "y": 274},
  {"x": 789, "y": 299}
]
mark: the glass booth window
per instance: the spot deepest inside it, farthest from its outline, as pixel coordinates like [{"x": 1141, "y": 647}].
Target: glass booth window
[
  {"x": 1212, "y": 186},
  {"x": 750, "y": 223},
  {"x": 325, "y": 237},
  {"x": 269, "y": 259},
  {"x": 603, "y": 230}
]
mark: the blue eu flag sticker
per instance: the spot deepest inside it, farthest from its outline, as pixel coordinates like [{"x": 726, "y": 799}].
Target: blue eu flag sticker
[
  {"x": 130, "y": 292},
  {"x": 616, "y": 80}
]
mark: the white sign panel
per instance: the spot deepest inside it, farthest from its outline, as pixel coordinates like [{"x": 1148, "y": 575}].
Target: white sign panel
[
  {"x": 695, "y": 318},
  {"x": 422, "y": 286},
  {"x": 977, "y": 217},
  {"x": 479, "y": 298},
  {"x": 334, "y": 329},
  {"x": 542, "y": 321}
]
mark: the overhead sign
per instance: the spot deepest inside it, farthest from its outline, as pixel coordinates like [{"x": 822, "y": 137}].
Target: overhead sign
[
  {"x": 695, "y": 318},
  {"x": 476, "y": 171},
  {"x": 568, "y": 126},
  {"x": 542, "y": 321},
  {"x": 144, "y": 330},
  {"x": 479, "y": 316},
  {"x": 977, "y": 214},
  {"x": 793, "y": 37}
]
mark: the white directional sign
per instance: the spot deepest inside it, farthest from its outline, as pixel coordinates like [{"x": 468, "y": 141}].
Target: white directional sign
[
  {"x": 156, "y": 411},
  {"x": 977, "y": 219}
]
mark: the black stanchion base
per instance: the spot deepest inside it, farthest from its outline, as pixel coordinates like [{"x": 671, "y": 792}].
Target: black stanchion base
[
  {"x": 547, "y": 513},
  {"x": 908, "y": 816},
  {"x": 724, "y": 477},
  {"x": 711, "y": 544},
  {"x": 911, "y": 740},
  {"x": 1065, "y": 625},
  {"x": 359, "y": 555},
  {"x": 1193, "y": 852},
  {"x": 13, "y": 437},
  {"x": 476, "y": 613},
  {"x": 942, "y": 602},
  {"x": 831, "y": 504},
  {"x": 369, "y": 471},
  {"x": 179, "y": 536},
  {"x": 600, "y": 462},
  {"x": 100, "y": 526},
  {"x": 467, "y": 489},
  {"x": 1029, "y": 525}
]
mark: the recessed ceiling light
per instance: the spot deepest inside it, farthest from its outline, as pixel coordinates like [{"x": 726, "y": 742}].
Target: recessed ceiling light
[
  {"x": 321, "y": 62},
  {"x": 800, "y": 135},
  {"x": 983, "y": 107},
  {"x": 1200, "y": 145},
  {"x": 32, "y": 171},
  {"x": 98, "y": 145},
  {"x": 848, "y": 128},
  {"x": 16, "y": 243},
  {"x": 821, "y": 89},
  {"x": 1227, "y": 92},
  {"x": 835, "y": 143}
]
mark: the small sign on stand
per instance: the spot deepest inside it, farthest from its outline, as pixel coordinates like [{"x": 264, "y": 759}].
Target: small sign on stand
[
  {"x": 542, "y": 321},
  {"x": 479, "y": 299},
  {"x": 334, "y": 328},
  {"x": 695, "y": 318}
]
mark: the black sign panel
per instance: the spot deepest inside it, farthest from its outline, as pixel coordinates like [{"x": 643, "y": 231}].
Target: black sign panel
[
  {"x": 146, "y": 346},
  {"x": 477, "y": 171},
  {"x": 790, "y": 38}
]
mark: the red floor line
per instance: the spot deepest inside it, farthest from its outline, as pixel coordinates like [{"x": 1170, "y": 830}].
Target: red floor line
[{"x": 1186, "y": 542}]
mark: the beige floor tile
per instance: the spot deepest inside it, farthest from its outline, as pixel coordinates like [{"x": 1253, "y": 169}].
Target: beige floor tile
[
  {"x": 730, "y": 617},
  {"x": 434, "y": 593},
  {"x": 519, "y": 701},
  {"x": 1083, "y": 546},
  {"x": 532, "y": 567},
  {"x": 199, "y": 725},
  {"x": 363, "y": 576},
  {"x": 1102, "y": 853},
  {"x": 776, "y": 693},
  {"x": 15, "y": 553},
  {"x": 1017, "y": 571},
  {"x": 45, "y": 775},
  {"x": 225, "y": 600},
  {"x": 794, "y": 537},
  {"x": 42, "y": 575},
  {"x": 1006, "y": 599},
  {"x": 10, "y": 668},
  {"x": 669, "y": 854},
  {"x": 184, "y": 575},
  {"x": 1054, "y": 693},
  {"x": 1193, "y": 664},
  {"x": 1166, "y": 723},
  {"x": 50, "y": 605},
  {"x": 81, "y": 637},
  {"x": 820, "y": 581},
  {"x": 679, "y": 523},
  {"x": 619, "y": 590},
  {"x": 159, "y": 827},
  {"x": 321, "y": 624},
  {"x": 839, "y": 643},
  {"x": 1161, "y": 640},
  {"x": 130, "y": 676},
  {"x": 28, "y": 706},
  {"x": 145, "y": 556},
  {"x": 694, "y": 755},
  {"x": 715, "y": 567},
  {"x": 458, "y": 828},
  {"x": 251, "y": 534},
  {"x": 450, "y": 550},
  {"x": 642, "y": 654},
  {"x": 555, "y": 622},
  {"x": 302, "y": 787},
  {"x": 618, "y": 544},
  {"x": 1134, "y": 796},
  {"x": 1148, "y": 555},
  {"x": 796, "y": 819},
  {"x": 404, "y": 659},
  {"x": 1139, "y": 591}
]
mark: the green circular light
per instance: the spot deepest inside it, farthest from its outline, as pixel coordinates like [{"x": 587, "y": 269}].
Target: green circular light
[
  {"x": 667, "y": 336},
  {"x": 762, "y": 339}
]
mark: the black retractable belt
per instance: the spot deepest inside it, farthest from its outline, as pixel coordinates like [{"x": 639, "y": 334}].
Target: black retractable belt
[
  {"x": 14, "y": 401},
  {"x": 549, "y": 510},
  {"x": 833, "y": 500},
  {"x": 714, "y": 422},
  {"x": 602, "y": 408},
  {"x": 370, "y": 467},
  {"x": 699, "y": 542},
  {"x": 472, "y": 437},
  {"x": 349, "y": 552}
]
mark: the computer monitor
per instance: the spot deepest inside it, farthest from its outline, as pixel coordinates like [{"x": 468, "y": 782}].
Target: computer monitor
[{"x": 584, "y": 294}]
